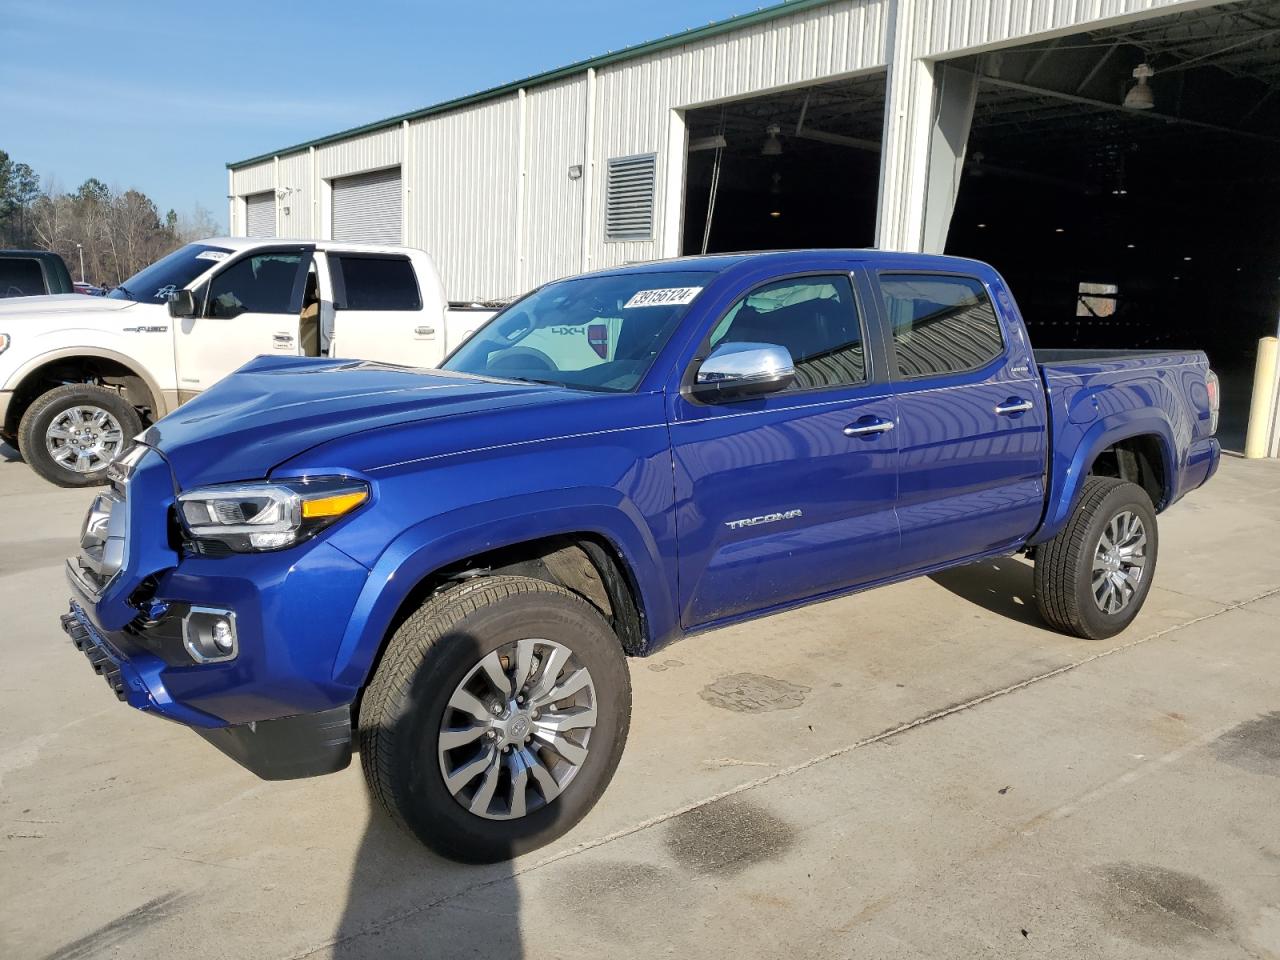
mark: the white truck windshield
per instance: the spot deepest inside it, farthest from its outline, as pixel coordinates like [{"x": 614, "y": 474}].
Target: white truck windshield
[{"x": 153, "y": 284}]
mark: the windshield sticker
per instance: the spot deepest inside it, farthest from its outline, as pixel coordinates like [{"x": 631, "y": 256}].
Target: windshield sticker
[
  {"x": 663, "y": 297},
  {"x": 217, "y": 256}
]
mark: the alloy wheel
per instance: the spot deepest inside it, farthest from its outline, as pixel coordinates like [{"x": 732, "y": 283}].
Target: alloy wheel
[
  {"x": 1119, "y": 561},
  {"x": 84, "y": 438},
  {"x": 517, "y": 728}
]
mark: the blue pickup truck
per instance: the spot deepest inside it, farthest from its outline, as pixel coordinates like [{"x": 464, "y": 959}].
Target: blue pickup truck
[{"x": 447, "y": 569}]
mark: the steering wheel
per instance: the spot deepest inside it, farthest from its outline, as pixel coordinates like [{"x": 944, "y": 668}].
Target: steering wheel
[{"x": 521, "y": 358}]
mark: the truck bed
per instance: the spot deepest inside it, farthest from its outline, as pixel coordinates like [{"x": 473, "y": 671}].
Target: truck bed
[{"x": 1070, "y": 356}]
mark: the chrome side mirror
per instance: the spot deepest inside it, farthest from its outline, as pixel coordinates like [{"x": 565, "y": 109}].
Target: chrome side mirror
[
  {"x": 182, "y": 303},
  {"x": 737, "y": 370}
]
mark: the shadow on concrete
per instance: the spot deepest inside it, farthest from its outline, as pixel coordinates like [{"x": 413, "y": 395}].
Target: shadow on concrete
[
  {"x": 8, "y": 454},
  {"x": 405, "y": 902},
  {"x": 1004, "y": 586}
]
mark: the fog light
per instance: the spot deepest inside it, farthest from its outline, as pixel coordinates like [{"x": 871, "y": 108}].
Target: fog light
[
  {"x": 209, "y": 634},
  {"x": 224, "y": 639}
]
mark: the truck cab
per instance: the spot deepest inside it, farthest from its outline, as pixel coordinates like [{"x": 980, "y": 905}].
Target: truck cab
[{"x": 80, "y": 376}]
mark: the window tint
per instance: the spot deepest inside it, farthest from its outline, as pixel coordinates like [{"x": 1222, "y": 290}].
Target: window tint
[
  {"x": 153, "y": 284},
  {"x": 377, "y": 283},
  {"x": 940, "y": 324},
  {"x": 815, "y": 318},
  {"x": 258, "y": 284},
  {"x": 20, "y": 277},
  {"x": 594, "y": 332}
]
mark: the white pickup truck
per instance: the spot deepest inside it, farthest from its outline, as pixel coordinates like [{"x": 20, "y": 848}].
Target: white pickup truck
[{"x": 79, "y": 376}]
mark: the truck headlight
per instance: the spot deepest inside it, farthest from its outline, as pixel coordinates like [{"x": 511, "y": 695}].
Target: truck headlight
[
  {"x": 272, "y": 515},
  {"x": 4, "y": 342}
]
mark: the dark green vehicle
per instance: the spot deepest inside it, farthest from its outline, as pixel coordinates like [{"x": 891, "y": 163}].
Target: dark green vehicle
[{"x": 33, "y": 273}]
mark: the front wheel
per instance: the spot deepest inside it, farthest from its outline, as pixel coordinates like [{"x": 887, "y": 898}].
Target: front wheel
[
  {"x": 70, "y": 434},
  {"x": 1094, "y": 576},
  {"x": 496, "y": 718}
]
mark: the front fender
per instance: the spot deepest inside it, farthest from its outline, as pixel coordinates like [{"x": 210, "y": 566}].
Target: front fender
[
  {"x": 451, "y": 538},
  {"x": 1076, "y": 446}
]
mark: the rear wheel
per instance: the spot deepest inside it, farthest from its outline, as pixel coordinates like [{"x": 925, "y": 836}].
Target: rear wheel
[
  {"x": 70, "y": 434},
  {"x": 496, "y": 718},
  {"x": 1094, "y": 576}
]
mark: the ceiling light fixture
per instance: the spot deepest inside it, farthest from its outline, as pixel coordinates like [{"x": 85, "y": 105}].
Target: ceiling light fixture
[
  {"x": 772, "y": 145},
  {"x": 1140, "y": 95}
]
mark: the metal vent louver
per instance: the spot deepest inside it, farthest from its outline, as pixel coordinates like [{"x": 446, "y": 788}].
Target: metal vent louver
[{"x": 629, "y": 198}]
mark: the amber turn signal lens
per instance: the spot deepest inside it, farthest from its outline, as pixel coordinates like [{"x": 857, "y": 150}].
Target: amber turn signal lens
[{"x": 333, "y": 506}]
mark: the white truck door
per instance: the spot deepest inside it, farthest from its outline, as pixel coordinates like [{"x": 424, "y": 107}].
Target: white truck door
[
  {"x": 248, "y": 308},
  {"x": 381, "y": 312}
]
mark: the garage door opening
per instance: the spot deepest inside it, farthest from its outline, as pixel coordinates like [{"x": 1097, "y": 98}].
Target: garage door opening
[
  {"x": 1127, "y": 183},
  {"x": 797, "y": 168}
]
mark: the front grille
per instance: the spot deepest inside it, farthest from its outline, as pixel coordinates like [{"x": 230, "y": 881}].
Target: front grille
[
  {"x": 103, "y": 540},
  {"x": 94, "y": 650}
]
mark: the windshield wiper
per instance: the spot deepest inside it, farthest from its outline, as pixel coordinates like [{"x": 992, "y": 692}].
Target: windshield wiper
[
  {"x": 546, "y": 383},
  {"x": 125, "y": 290}
]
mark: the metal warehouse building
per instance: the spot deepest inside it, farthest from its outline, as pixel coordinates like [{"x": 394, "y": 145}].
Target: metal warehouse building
[{"x": 1118, "y": 160}]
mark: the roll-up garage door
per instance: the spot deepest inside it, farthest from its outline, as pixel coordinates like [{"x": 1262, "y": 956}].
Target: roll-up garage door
[
  {"x": 367, "y": 206},
  {"x": 261, "y": 214}
]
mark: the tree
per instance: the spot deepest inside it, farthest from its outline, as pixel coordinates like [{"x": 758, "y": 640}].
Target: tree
[{"x": 118, "y": 232}]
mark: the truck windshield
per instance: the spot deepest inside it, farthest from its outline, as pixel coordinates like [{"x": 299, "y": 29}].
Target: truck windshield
[
  {"x": 153, "y": 284},
  {"x": 592, "y": 333}
]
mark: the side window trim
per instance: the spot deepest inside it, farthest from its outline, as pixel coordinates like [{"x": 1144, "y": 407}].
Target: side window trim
[
  {"x": 890, "y": 341},
  {"x": 850, "y": 273}
]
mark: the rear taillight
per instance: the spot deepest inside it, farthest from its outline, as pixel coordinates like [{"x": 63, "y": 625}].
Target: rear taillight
[{"x": 1211, "y": 381}]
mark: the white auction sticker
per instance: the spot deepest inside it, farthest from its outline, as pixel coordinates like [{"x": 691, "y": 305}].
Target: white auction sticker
[
  {"x": 216, "y": 255},
  {"x": 663, "y": 297}
]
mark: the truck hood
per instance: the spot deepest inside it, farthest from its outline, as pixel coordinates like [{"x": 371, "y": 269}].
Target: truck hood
[
  {"x": 60, "y": 304},
  {"x": 273, "y": 409}
]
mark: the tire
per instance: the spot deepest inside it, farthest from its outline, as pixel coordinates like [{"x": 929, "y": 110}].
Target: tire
[
  {"x": 441, "y": 645},
  {"x": 1066, "y": 578},
  {"x": 111, "y": 420}
]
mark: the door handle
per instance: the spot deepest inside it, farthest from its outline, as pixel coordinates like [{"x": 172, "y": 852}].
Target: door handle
[
  {"x": 283, "y": 339},
  {"x": 868, "y": 427},
  {"x": 425, "y": 331},
  {"x": 1013, "y": 405}
]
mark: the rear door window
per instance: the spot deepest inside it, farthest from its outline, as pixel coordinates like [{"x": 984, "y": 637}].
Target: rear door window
[
  {"x": 375, "y": 283},
  {"x": 940, "y": 324},
  {"x": 20, "y": 277}
]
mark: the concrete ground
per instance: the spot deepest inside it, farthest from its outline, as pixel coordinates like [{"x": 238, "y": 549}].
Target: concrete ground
[{"x": 922, "y": 771}]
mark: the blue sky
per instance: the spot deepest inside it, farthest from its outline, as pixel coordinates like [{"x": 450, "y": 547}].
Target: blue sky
[{"x": 160, "y": 95}]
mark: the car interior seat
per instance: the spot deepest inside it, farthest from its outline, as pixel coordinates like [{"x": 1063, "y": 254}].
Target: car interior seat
[{"x": 309, "y": 320}]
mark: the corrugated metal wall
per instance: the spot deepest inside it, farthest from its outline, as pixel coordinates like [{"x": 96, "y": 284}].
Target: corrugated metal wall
[
  {"x": 487, "y": 186},
  {"x": 296, "y": 206},
  {"x": 950, "y": 26},
  {"x": 464, "y": 170},
  {"x": 555, "y": 140},
  {"x": 372, "y": 151}
]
